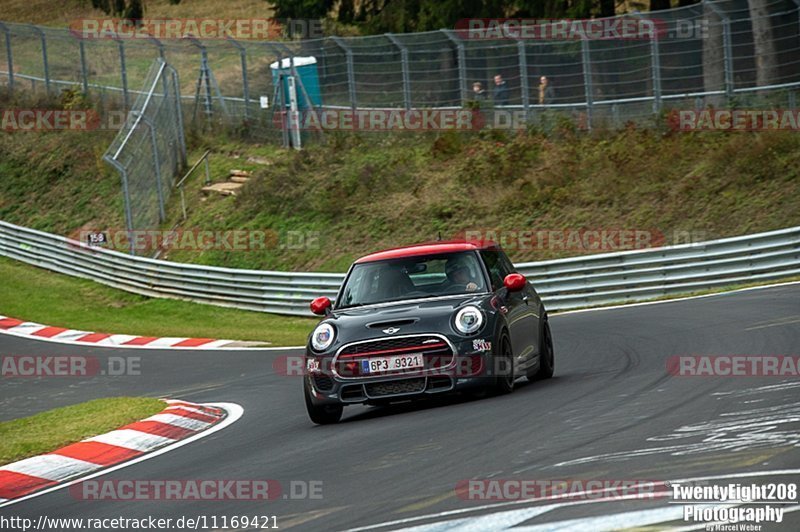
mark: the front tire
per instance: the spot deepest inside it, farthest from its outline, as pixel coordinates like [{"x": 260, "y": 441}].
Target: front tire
[
  {"x": 322, "y": 414},
  {"x": 546, "y": 355},
  {"x": 504, "y": 362}
]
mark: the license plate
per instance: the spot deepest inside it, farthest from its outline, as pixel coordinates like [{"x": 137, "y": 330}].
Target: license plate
[{"x": 392, "y": 363}]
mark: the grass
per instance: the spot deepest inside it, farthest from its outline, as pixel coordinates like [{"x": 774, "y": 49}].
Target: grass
[
  {"x": 49, "y": 13},
  {"x": 361, "y": 193},
  {"x": 51, "y": 430},
  {"x": 38, "y": 295},
  {"x": 357, "y": 193}
]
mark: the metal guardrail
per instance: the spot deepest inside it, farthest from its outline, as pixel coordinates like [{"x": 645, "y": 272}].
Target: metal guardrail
[{"x": 575, "y": 282}]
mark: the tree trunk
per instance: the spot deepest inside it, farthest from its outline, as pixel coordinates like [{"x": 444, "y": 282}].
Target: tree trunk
[
  {"x": 607, "y": 8},
  {"x": 657, "y": 5},
  {"x": 713, "y": 54},
  {"x": 766, "y": 63}
]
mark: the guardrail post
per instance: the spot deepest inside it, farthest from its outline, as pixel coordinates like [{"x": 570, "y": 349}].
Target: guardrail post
[
  {"x": 351, "y": 77},
  {"x": 156, "y": 163},
  {"x": 278, "y": 99},
  {"x": 279, "y": 95},
  {"x": 180, "y": 157},
  {"x": 123, "y": 72},
  {"x": 45, "y": 63},
  {"x": 404, "y": 66},
  {"x": 84, "y": 74},
  {"x": 176, "y": 87},
  {"x": 462, "y": 65},
  {"x": 523, "y": 76},
  {"x": 797, "y": 3},
  {"x": 205, "y": 78},
  {"x": 587, "y": 80},
  {"x": 655, "y": 64},
  {"x": 727, "y": 47},
  {"x": 245, "y": 85},
  {"x": 127, "y": 197},
  {"x": 9, "y": 56}
]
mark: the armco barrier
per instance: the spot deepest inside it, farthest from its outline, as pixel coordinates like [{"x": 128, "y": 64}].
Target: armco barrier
[{"x": 576, "y": 282}]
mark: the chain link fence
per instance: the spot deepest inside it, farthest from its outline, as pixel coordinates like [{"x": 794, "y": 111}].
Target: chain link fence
[
  {"x": 149, "y": 149},
  {"x": 703, "y": 55}
]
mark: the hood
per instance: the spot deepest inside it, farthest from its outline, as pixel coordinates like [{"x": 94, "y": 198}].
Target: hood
[{"x": 409, "y": 317}]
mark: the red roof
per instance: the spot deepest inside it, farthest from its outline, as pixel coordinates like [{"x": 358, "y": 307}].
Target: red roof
[{"x": 430, "y": 248}]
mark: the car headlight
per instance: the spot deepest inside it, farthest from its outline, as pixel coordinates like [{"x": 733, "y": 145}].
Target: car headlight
[
  {"x": 322, "y": 337},
  {"x": 469, "y": 319}
]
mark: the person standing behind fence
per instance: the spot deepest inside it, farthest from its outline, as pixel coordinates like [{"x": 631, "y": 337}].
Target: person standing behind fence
[
  {"x": 478, "y": 92},
  {"x": 546, "y": 92},
  {"x": 500, "y": 91}
]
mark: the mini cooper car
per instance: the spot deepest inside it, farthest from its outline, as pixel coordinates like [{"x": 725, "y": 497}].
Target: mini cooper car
[{"x": 422, "y": 320}]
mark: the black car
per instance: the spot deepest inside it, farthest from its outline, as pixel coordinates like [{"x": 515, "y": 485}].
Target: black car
[{"x": 422, "y": 320}]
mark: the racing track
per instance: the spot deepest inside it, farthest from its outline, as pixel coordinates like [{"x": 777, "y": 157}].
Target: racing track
[{"x": 611, "y": 412}]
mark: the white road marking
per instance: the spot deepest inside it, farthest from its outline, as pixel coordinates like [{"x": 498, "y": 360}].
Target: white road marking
[
  {"x": 498, "y": 506},
  {"x": 179, "y": 421},
  {"x": 132, "y": 439},
  {"x": 664, "y": 301},
  {"x": 51, "y": 467}
]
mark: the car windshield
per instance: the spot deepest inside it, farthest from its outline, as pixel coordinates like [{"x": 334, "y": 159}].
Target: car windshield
[{"x": 413, "y": 278}]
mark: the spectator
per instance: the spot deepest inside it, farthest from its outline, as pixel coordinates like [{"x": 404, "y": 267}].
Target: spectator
[
  {"x": 546, "y": 92},
  {"x": 478, "y": 92},
  {"x": 500, "y": 92}
]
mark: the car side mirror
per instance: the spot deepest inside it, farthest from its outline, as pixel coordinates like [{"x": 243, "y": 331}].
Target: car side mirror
[
  {"x": 321, "y": 306},
  {"x": 514, "y": 282}
]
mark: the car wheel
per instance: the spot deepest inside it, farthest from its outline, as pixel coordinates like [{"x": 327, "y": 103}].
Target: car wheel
[
  {"x": 324, "y": 414},
  {"x": 547, "y": 360},
  {"x": 504, "y": 363}
]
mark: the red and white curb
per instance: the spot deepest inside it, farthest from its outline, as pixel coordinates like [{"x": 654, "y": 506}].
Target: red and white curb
[
  {"x": 180, "y": 422},
  {"x": 29, "y": 329}
]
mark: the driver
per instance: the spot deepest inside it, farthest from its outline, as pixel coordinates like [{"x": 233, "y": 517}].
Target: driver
[{"x": 458, "y": 274}]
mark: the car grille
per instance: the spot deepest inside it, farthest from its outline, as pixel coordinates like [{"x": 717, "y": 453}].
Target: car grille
[
  {"x": 380, "y": 389},
  {"x": 435, "y": 350}
]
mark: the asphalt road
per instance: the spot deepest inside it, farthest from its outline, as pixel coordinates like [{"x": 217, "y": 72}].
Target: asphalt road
[{"x": 611, "y": 412}]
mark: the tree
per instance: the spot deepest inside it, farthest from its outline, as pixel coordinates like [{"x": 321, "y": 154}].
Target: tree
[
  {"x": 302, "y": 8},
  {"x": 713, "y": 53},
  {"x": 135, "y": 10},
  {"x": 658, "y": 5},
  {"x": 607, "y": 8}
]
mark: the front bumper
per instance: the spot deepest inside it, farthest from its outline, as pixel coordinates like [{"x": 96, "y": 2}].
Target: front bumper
[{"x": 471, "y": 368}]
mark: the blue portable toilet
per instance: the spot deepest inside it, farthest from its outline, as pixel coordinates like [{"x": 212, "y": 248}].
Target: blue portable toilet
[{"x": 306, "y": 68}]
